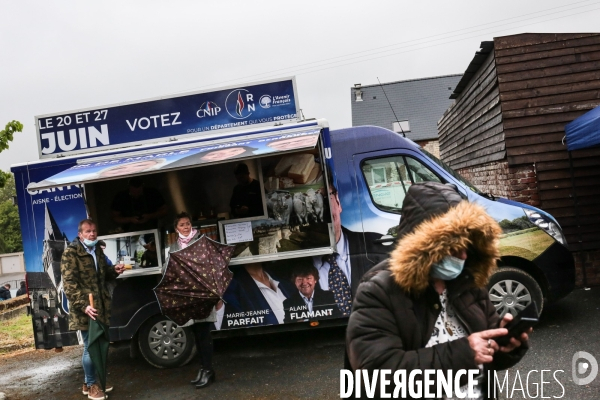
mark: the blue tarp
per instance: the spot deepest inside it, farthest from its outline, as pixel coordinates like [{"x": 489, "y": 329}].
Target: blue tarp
[{"x": 584, "y": 132}]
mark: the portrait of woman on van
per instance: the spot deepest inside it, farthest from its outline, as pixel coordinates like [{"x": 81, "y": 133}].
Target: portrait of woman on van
[
  {"x": 132, "y": 167},
  {"x": 293, "y": 143},
  {"x": 214, "y": 155}
]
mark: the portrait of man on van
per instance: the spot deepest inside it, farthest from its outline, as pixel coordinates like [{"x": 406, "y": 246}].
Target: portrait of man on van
[{"x": 341, "y": 272}]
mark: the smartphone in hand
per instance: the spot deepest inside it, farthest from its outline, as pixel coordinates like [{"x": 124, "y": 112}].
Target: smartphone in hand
[{"x": 526, "y": 319}]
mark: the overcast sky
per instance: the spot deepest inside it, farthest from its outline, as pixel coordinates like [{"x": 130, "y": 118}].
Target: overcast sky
[{"x": 60, "y": 56}]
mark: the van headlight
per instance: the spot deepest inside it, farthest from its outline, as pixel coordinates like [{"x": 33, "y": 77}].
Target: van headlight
[{"x": 546, "y": 224}]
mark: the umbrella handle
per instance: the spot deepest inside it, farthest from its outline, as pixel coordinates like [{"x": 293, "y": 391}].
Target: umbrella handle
[{"x": 91, "y": 300}]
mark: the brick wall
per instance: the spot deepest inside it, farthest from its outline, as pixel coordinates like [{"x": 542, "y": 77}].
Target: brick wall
[
  {"x": 590, "y": 260},
  {"x": 520, "y": 184},
  {"x": 514, "y": 183},
  {"x": 432, "y": 146}
]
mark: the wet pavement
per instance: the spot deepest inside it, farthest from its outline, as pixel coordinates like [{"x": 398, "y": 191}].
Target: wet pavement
[
  {"x": 299, "y": 365},
  {"x": 569, "y": 326},
  {"x": 291, "y": 365}
]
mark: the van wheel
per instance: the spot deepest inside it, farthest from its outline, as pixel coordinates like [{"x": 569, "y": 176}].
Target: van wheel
[
  {"x": 164, "y": 344},
  {"x": 512, "y": 289}
]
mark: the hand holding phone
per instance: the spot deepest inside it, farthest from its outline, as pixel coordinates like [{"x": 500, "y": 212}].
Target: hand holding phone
[{"x": 525, "y": 320}]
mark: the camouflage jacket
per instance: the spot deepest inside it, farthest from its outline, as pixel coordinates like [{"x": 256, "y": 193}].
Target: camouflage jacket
[{"x": 80, "y": 278}]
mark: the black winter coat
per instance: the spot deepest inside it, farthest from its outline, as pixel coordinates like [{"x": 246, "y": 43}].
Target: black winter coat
[
  {"x": 22, "y": 290},
  {"x": 4, "y": 293},
  {"x": 395, "y": 308}
]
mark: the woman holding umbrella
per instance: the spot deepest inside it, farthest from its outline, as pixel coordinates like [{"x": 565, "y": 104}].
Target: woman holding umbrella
[{"x": 201, "y": 328}]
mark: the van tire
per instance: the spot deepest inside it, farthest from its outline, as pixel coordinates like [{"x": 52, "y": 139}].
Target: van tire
[
  {"x": 511, "y": 289},
  {"x": 164, "y": 344}
]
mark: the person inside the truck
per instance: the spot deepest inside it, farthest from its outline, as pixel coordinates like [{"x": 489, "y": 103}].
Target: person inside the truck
[
  {"x": 138, "y": 208},
  {"x": 102, "y": 245},
  {"x": 292, "y": 143},
  {"x": 246, "y": 200},
  {"x": 341, "y": 271},
  {"x": 150, "y": 256},
  {"x": 214, "y": 155}
]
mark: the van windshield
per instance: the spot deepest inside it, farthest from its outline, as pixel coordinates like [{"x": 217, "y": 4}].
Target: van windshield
[{"x": 452, "y": 172}]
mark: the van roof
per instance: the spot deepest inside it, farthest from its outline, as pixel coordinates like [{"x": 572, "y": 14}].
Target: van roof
[{"x": 378, "y": 139}]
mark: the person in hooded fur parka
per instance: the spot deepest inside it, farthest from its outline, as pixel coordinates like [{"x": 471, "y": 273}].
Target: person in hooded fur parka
[{"x": 427, "y": 306}]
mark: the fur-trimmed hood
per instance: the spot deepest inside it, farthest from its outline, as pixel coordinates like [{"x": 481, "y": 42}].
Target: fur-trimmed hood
[{"x": 461, "y": 225}]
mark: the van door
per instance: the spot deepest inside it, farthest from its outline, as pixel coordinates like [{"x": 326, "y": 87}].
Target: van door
[{"x": 382, "y": 180}]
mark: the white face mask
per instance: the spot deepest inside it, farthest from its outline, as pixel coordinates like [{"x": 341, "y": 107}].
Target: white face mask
[
  {"x": 90, "y": 243},
  {"x": 447, "y": 268}
]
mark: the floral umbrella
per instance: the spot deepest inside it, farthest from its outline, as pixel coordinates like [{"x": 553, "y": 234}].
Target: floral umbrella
[{"x": 194, "y": 281}]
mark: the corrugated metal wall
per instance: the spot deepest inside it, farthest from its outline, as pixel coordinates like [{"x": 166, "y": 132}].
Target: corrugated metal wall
[{"x": 546, "y": 81}]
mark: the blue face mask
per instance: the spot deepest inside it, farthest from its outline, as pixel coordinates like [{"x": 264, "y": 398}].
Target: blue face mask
[
  {"x": 90, "y": 243},
  {"x": 447, "y": 268}
]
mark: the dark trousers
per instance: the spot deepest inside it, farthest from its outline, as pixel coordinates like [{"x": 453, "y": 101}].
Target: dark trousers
[{"x": 204, "y": 343}]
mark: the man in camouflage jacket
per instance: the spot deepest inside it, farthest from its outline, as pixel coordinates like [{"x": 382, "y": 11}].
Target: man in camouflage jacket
[{"x": 84, "y": 270}]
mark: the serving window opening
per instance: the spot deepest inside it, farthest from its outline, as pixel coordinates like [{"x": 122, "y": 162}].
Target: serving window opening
[
  {"x": 297, "y": 206},
  {"x": 266, "y": 206}
]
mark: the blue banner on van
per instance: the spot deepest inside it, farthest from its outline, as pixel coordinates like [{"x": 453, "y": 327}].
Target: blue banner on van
[
  {"x": 50, "y": 218},
  {"x": 158, "y": 120},
  {"x": 176, "y": 158}
]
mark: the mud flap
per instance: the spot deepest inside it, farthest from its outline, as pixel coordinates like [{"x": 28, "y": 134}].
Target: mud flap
[{"x": 56, "y": 328}]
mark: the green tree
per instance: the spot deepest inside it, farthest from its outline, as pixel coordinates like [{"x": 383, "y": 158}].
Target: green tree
[
  {"x": 10, "y": 228},
  {"x": 507, "y": 225},
  {"x": 6, "y": 136},
  {"x": 4, "y": 176},
  {"x": 523, "y": 222}
]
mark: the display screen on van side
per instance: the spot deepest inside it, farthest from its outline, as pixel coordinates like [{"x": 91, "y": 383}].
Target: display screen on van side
[{"x": 450, "y": 171}]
